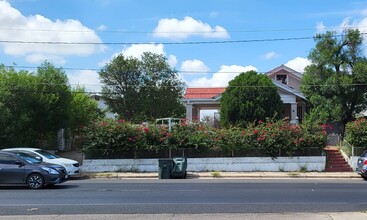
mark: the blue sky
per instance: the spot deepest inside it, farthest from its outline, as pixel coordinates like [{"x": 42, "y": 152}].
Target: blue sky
[{"x": 251, "y": 30}]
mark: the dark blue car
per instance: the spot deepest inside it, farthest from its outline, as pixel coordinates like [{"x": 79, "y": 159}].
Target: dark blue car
[{"x": 23, "y": 168}]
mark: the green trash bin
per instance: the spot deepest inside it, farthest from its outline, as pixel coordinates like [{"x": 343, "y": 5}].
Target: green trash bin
[
  {"x": 179, "y": 167},
  {"x": 164, "y": 168}
]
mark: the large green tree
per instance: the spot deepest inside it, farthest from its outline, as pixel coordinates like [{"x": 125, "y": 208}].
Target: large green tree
[
  {"x": 53, "y": 99},
  {"x": 142, "y": 89},
  {"x": 17, "y": 98},
  {"x": 249, "y": 97},
  {"x": 35, "y": 105},
  {"x": 336, "y": 81}
]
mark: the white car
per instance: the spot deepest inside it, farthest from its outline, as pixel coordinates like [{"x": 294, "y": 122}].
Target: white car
[{"x": 72, "y": 166}]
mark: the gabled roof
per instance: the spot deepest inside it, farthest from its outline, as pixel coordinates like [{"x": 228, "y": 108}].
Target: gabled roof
[
  {"x": 287, "y": 69},
  {"x": 215, "y": 93},
  {"x": 203, "y": 93},
  {"x": 289, "y": 89}
]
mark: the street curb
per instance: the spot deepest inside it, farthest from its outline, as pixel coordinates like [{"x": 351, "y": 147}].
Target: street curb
[{"x": 227, "y": 175}]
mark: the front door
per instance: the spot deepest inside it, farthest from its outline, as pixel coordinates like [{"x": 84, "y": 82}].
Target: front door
[{"x": 10, "y": 170}]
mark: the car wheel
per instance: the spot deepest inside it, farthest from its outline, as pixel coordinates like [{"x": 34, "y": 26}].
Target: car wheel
[
  {"x": 35, "y": 181},
  {"x": 364, "y": 177},
  {"x": 185, "y": 175}
]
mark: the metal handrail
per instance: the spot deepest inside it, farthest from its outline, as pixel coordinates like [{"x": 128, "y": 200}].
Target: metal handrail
[{"x": 345, "y": 141}]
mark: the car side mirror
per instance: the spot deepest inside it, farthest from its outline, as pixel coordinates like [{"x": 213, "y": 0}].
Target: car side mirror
[
  {"x": 39, "y": 158},
  {"x": 19, "y": 163}
]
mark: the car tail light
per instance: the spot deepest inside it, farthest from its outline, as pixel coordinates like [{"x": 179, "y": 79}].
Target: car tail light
[{"x": 365, "y": 162}]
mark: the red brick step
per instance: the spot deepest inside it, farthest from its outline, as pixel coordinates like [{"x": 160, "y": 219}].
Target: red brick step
[{"x": 335, "y": 161}]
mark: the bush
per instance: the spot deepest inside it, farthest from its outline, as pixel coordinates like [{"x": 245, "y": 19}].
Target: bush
[
  {"x": 189, "y": 135},
  {"x": 356, "y": 133},
  {"x": 109, "y": 136},
  {"x": 111, "y": 139}
]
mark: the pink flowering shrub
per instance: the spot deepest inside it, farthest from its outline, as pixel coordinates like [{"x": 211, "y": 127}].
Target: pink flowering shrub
[
  {"x": 189, "y": 135},
  {"x": 270, "y": 138},
  {"x": 109, "y": 136}
]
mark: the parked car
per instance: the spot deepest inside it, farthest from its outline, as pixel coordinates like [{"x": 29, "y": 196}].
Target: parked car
[
  {"x": 362, "y": 165},
  {"x": 23, "y": 168},
  {"x": 72, "y": 166}
]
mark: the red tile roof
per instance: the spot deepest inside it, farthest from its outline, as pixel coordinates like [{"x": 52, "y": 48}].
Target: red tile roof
[{"x": 203, "y": 93}]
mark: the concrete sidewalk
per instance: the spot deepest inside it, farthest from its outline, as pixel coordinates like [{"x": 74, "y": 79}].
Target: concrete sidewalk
[
  {"x": 226, "y": 216},
  {"x": 229, "y": 175}
]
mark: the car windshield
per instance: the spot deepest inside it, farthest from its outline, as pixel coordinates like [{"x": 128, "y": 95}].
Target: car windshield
[
  {"x": 364, "y": 154},
  {"x": 29, "y": 158},
  {"x": 46, "y": 154}
]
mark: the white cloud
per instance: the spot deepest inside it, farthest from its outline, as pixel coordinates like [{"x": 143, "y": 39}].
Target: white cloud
[
  {"x": 181, "y": 29},
  {"x": 172, "y": 60},
  {"x": 361, "y": 24},
  {"x": 39, "y": 58},
  {"x": 320, "y": 27},
  {"x": 345, "y": 24},
  {"x": 194, "y": 67},
  {"x": 298, "y": 64},
  {"x": 103, "y": 63},
  {"x": 137, "y": 50},
  {"x": 102, "y": 27},
  {"x": 86, "y": 78},
  {"x": 270, "y": 55},
  {"x": 222, "y": 77},
  {"x": 39, "y": 28}
]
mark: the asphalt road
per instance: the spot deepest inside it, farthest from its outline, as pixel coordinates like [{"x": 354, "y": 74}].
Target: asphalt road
[{"x": 190, "y": 196}]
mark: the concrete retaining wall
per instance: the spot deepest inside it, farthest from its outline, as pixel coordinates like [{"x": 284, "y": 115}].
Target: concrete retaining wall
[
  {"x": 211, "y": 164},
  {"x": 353, "y": 162}
]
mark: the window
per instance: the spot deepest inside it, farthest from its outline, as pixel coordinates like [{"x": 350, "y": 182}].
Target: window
[
  {"x": 6, "y": 159},
  {"x": 46, "y": 154},
  {"x": 282, "y": 78}
]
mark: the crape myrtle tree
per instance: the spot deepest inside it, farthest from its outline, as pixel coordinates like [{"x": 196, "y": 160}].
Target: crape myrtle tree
[
  {"x": 142, "y": 89},
  {"x": 249, "y": 98},
  {"x": 336, "y": 81}
]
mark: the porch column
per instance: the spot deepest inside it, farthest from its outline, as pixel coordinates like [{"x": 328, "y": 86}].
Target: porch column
[
  {"x": 197, "y": 115},
  {"x": 303, "y": 111},
  {"x": 294, "y": 119},
  {"x": 189, "y": 108}
]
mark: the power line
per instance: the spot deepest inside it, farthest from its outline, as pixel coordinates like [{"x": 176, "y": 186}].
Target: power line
[
  {"x": 178, "y": 71},
  {"x": 96, "y": 69},
  {"x": 165, "y": 43}
]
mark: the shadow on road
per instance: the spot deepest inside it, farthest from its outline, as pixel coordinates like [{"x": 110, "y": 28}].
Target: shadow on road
[{"x": 24, "y": 187}]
